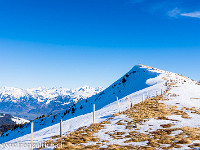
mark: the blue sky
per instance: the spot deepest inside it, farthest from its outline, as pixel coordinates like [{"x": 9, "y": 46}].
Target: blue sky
[{"x": 70, "y": 43}]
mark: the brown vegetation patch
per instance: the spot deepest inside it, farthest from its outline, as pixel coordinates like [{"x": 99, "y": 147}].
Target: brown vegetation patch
[
  {"x": 150, "y": 108},
  {"x": 194, "y": 145},
  {"x": 120, "y": 123},
  {"x": 193, "y": 110},
  {"x": 166, "y": 125},
  {"x": 137, "y": 137},
  {"x": 174, "y": 95},
  {"x": 75, "y": 139},
  {"x": 55, "y": 136},
  {"x": 187, "y": 135}
]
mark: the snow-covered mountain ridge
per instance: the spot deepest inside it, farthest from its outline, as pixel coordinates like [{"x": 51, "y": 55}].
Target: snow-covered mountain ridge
[
  {"x": 141, "y": 81},
  {"x": 138, "y": 78},
  {"x": 38, "y": 101}
]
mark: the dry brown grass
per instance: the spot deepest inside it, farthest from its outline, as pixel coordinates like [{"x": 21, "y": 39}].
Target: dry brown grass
[
  {"x": 150, "y": 108},
  {"x": 166, "y": 125},
  {"x": 75, "y": 139},
  {"x": 162, "y": 136},
  {"x": 195, "y": 145},
  {"x": 193, "y": 110}
]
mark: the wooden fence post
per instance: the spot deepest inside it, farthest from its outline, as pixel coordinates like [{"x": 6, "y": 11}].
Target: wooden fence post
[
  {"x": 132, "y": 101},
  {"x": 61, "y": 127},
  {"x": 93, "y": 113},
  {"x": 143, "y": 98},
  {"x": 129, "y": 103},
  {"x": 156, "y": 93},
  {"x": 31, "y": 135},
  {"x": 161, "y": 91},
  {"x": 118, "y": 105}
]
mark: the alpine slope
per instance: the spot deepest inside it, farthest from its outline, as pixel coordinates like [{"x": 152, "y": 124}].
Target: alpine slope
[{"x": 156, "y": 110}]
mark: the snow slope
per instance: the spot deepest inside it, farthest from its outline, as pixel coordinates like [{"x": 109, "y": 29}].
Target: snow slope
[
  {"x": 139, "y": 81},
  {"x": 19, "y": 120},
  {"x": 135, "y": 80},
  {"x": 32, "y": 103}
]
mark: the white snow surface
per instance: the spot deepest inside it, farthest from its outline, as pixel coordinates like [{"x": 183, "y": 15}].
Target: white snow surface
[
  {"x": 138, "y": 82},
  {"x": 19, "y": 120}
]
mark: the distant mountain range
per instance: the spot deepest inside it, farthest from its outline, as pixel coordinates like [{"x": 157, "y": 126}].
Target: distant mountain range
[{"x": 32, "y": 103}]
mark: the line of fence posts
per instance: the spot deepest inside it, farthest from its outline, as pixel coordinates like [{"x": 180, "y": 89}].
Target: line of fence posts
[
  {"x": 32, "y": 126},
  {"x": 130, "y": 103},
  {"x": 161, "y": 93},
  {"x": 129, "y": 100}
]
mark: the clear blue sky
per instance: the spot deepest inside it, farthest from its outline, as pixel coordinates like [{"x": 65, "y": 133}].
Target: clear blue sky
[{"x": 70, "y": 43}]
